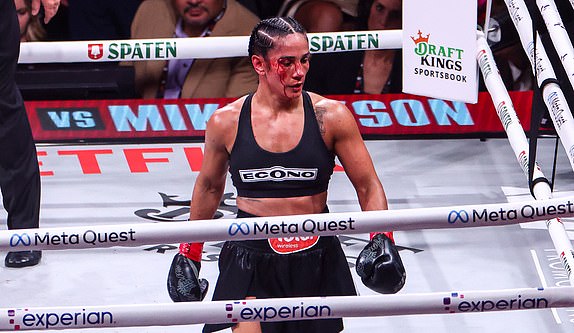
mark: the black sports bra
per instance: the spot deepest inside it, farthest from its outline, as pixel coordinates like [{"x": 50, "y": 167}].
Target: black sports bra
[{"x": 258, "y": 173}]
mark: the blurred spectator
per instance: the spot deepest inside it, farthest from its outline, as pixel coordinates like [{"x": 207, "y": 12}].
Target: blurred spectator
[
  {"x": 368, "y": 72},
  {"x": 194, "y": 78},
  {"x": 263, "y": 8},
  {"x": 511, "y": 60},
  {"x": 74, "y": 80},
  {"x": 31, "y": 29},
  {"x": 101, "y": 19},
  {"x": 57, "y": 29},
  {"x": 314, "y": 15},
  {"x": 320, "y": 15}
]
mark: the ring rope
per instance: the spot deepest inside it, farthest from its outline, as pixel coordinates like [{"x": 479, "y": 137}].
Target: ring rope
[
  {"x": 552, "y": 94},
  {"x": 505, "y": 109},
  {"x": 81, "y": 237},
  {"x": 284, "y": 309},
  {"x": 558, "y": 34},
  {"x": 196, "y": 47}
]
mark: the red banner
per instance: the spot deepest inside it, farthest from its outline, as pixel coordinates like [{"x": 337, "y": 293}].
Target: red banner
[{"x": 399, "y": 116}]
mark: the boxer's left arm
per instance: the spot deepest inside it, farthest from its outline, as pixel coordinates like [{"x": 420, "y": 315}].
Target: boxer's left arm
[
  {"x": 348, "y": 145},
  {"x": 379, "y": 264},
  {"x": 356, "y": 160}
]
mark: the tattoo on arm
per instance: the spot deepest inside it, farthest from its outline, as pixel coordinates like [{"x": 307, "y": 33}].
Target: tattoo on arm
[{"x": 319, "y": 112}]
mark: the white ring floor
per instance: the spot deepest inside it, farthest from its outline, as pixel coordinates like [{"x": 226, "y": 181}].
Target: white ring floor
[{"x": 418, "y": 173}]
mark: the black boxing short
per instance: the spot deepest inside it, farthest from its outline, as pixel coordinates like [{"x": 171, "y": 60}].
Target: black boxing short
[{"x": 252, "y": 269}]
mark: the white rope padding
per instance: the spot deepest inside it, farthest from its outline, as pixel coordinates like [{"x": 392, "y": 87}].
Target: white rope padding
[
  {"x": 553, "y": 96},
  {"x": 199, "y": 47},
  {"x": 284, "y": 309},
  {"x": 81, "y": 237},
  {"x": 559, "y": 36},
  {"x": 519, "y": 143}
]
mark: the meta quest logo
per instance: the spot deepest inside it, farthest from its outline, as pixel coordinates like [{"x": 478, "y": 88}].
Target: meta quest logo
[
  {"x": 438, "y": 61},
  {"x": 177, "y": 210}
]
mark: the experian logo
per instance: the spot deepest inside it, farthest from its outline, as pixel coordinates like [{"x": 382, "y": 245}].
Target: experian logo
[
  {"x": 277, "y": 174},
  {"x": 271, "y": 313},
  {"x": 456, "y": 303},
  {"x": 51, "y": 320}
]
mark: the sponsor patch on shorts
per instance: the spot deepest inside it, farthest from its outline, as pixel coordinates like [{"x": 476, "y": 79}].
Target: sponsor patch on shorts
[{"x": 287, "y": 245}]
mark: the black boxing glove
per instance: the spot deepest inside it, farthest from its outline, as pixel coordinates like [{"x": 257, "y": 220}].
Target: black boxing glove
[
  {"x": 380, "y": 266},
  {"x": 183, "y": 282}
]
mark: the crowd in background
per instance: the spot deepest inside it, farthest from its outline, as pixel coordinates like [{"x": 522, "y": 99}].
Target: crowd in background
[{"x": 373, "y": 71}]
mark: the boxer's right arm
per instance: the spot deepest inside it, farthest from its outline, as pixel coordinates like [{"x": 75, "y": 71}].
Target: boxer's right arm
[
  {"x": 210, "y": 183},
  {"x": 183, "y": 283}
]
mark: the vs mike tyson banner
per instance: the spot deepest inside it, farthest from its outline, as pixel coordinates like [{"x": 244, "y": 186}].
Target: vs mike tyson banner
[{"x": 387, "y": 116}]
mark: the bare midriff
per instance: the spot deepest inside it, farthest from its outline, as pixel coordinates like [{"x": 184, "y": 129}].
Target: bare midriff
[{"x": 311, "y": 204}]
